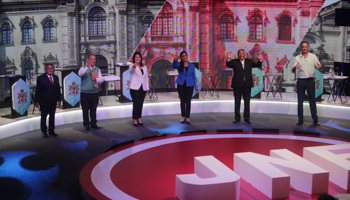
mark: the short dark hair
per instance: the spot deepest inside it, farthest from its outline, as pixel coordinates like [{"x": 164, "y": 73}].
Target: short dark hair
[
  {"x": 240, "y": 50},
  {"x": 304, "y": 42},
  {"x": 133, "y": 57}
]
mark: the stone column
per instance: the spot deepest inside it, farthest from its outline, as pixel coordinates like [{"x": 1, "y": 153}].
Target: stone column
[
  {"x": 194, "y": 32},
  {"x": 121, "y": 33},
  {"x": 205, "y": 15}
]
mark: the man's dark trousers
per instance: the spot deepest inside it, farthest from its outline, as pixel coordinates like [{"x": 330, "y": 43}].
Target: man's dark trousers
[
  {"x": 48, "y": 110},
  {"x": 238, "y": 92},
  {"x": 307, "y": 84},
  {"x": 89, "y": 102}
]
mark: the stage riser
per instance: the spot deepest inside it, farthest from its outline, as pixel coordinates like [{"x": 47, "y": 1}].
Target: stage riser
[{"x": 168, "y": 108}]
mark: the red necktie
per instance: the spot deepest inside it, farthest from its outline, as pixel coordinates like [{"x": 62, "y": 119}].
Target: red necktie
[{"x": 51, "y": 80}]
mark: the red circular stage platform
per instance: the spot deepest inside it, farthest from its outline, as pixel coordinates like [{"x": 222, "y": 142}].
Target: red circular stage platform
[{"x": 147, "y": 169}]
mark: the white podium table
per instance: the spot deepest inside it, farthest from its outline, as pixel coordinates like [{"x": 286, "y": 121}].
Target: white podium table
[{"x": 110, "y": 78}]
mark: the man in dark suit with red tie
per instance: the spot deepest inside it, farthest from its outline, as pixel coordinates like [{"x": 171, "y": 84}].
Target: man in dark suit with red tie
[
  {"x": 242, "y": 82},
  {"x": 48, "y": 95}
]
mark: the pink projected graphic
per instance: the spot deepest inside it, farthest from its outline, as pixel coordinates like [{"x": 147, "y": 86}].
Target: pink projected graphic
[
  {"x": 209, "y": 29},
  {"x": 65, "y": 32}
]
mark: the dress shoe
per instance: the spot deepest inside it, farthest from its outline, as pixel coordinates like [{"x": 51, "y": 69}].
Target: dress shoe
[
  {"x": 95, "y": 127},
  {"x": 183, "y": 120},
  {"x": 188, "y": 122},
  {"x": 300, "y": 122},
  {"x": 316, "y": 123},
  {"x": 87, "y": 127},
  {"x": 236, "y": 121},
  {"x": 45, "y": 134},
  {"x": 247, "y": 121},
  {"x": 140, "y": 123},
  {"x": 52, "y": 133}
]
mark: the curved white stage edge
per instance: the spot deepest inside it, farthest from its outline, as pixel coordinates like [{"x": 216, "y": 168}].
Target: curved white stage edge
[{"x": 165, "y": 108}]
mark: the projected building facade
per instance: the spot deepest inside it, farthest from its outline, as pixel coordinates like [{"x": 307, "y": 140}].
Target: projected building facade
[
  {"x": 65, "y": 32},
  {"x": 209, "y": 29},
  {"x": 34, "y": 33}
]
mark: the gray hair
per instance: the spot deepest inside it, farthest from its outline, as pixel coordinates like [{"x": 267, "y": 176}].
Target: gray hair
[{"x": 49, "y": 65}]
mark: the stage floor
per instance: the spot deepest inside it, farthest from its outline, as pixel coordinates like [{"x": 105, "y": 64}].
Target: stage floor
[
  {"x": 108, "y": 101},
  {"x": 147, "y": 169},
  {"x": 33, "y": 167}
]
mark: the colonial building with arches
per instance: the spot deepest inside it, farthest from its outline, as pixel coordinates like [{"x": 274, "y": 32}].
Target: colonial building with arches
[
  {"x": 209, "y": 29},
  {"x": 66, "y": 32}
]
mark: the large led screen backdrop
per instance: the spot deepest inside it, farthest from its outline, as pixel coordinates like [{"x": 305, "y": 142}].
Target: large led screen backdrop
[
  {"x": 65, "y": 32},
  {"x": 209, "y": 29}
]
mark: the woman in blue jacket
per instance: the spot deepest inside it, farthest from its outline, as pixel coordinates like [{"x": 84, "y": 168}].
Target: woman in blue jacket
[{"x": 186, "y": 82}]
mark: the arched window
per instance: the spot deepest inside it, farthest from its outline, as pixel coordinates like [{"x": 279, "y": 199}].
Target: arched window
[
  {"x": 164, "y": 22},
  {"x": 6, "y": 33},
  {"x": 27, "y": 32},
  {"x": 285, "y": 28},
  {"x": 97, "y": 22},
  {"x": 49, "y": 30},
  {"x": 28, "y": 69},
  {"x": 226, "y": 27},
  {"x": 102, "y": 63},
  {"x": 147, "y": 22},
  {"x": 256, "y": 27}
]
